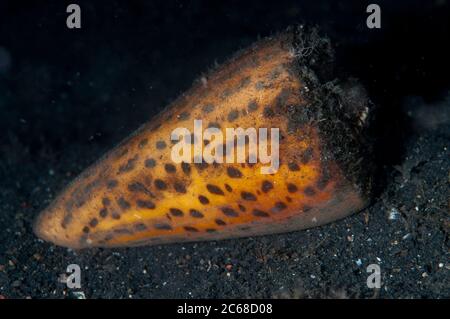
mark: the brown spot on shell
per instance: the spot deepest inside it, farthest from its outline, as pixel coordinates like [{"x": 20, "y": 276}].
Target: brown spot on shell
[
  {"x": 140, "y": 227},
  {"x": 176, "y": 212},
  {"x": 266, "y": 186},
  {"x": 279, "y": 206},
  {"x": 150, "y": 163},
  {"x": 160, "y": 184},
  {"x": 145, "y": 204},
  {"x": 179, "y": 187},
  {"x": 123, "y": 203},
  {"x": 170, "y": 168},
  {"x": 195, "y": 213},
  {"x": 112, "y": 184},
  {"x": 220, "y": 222},
  {"x": 93, "y": 222},
  {"x": 203, "y": 199},
  {"x": 160, "y": 145},
  {"x": 214, "y": 189},
  {"x": 234, "y": 172},
  {"x": 233, "y": 115},
  {"x": 208, "y": 108},
  {"x": 268, "y": 112},
  {"x": 201, "y": 166},
  {"x": 259, "y": 85},
  {"x": 248, "y": 196},
  {"x": 214, "y": 125},
  {"x": 128, "y": 166},
  {"x": 103, "y": 212},
  {"x": 252, "y": 106},
  {"x": 162, "y": 226},
  {"x": 123, "y": 231},
  {"x": 106, "y": 201},
  {"x": 291, "y": 188},
  {"x": 244, "y": 82},
  {"x": 190, "y": 229},
  {"x": 186, "y": 167},
  {"x": 226, "y": 93},
  {"x": 143, "y": 142},
  {"x": 293, "y": 167},
  {"x": 230, "y": 212},
  {"x": 139, "y": 188},
  {"x": 260, "y": 213},
  {"x": 115, "y": 215}
]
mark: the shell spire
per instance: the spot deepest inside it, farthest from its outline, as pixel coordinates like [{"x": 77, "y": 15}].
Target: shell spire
[{"x": 317, "y": 170}]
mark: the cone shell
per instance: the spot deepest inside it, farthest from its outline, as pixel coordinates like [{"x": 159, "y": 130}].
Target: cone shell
[{"x": 137, "y": 195}]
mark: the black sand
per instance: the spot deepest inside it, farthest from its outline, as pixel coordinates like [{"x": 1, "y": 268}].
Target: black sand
[{"x": 67, "y": 96}]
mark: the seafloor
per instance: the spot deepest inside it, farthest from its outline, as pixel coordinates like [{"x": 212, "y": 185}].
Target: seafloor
[{"x": 67, "y": 96}]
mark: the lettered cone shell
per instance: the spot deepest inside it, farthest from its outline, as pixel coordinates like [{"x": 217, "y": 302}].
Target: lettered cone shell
[{"x": 137, "y": 194}]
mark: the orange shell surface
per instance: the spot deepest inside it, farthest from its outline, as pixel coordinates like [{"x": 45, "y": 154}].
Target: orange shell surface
[{"x": 137, "y": 195}]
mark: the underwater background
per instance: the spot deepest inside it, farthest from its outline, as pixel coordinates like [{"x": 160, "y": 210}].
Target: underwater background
[{"x": 69, "y": 95}]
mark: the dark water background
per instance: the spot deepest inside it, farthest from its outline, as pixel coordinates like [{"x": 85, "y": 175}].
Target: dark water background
[{"x": 67, "y": 96}]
